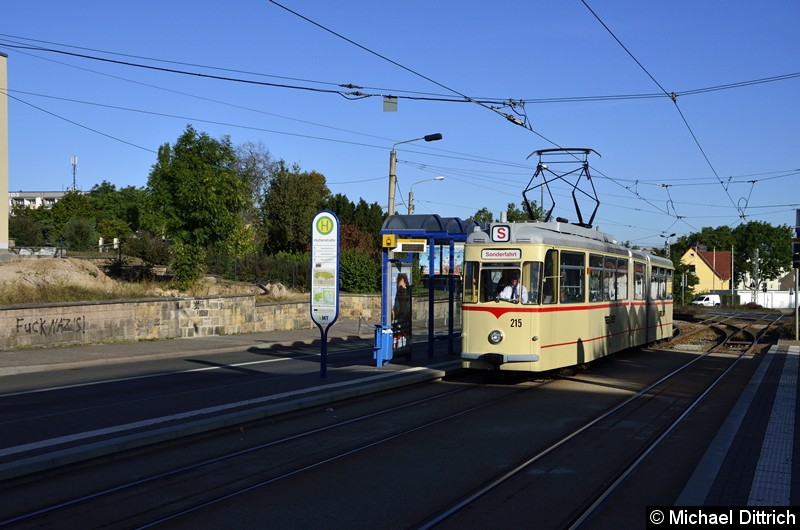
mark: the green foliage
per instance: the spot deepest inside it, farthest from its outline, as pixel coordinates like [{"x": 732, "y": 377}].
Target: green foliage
[
  {"x": 683, "y": 294},
  {"x": 362, "y": 218},
  {"x": 197, "y": 196},
  {"x": 26, "y": 231},
  {"x": 513, "y": 214},
  {"x": 292, "y": 270},
  {"x": 80, "y": 234},
  {"x": 112, "y": 228},
  {"x": 118, "y": 212},
  {"x": 483, "y": 216},
  {"x": 187, "y": 264},
  {"x": 292, "y": 200},
  {"x": 359, "y": 272},
  {"x": 773, "y": 244},
  {"x": 151, "y": 250},
  {"x": 255, "y": 166},
  {"x": 73, "y": 205}
]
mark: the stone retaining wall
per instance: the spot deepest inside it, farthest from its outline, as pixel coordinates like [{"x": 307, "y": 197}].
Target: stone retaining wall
[{"x": 30, "y": 326}]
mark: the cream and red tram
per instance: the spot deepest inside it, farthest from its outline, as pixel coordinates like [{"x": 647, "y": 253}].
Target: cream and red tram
[{"x": 578, "y": 296}]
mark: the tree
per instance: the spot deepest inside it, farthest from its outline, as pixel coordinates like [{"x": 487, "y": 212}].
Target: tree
[
  {"x": 292, "y": 200},
  {"x": 118, "y": 212},
  {"x": 343, "y": 208},
  {"x": 370, "y": 218},
  {"x": 73, "y": 205},
  {"x": 197, "y": 196},
  {"x": 25, "y": 228},
  {"x": 773, "y": 244},
  {"x": 255, "y": 165},
  {"x": 367, "y": 219},
  {"x": 483, "y": 216},
  {"x": 80, "y": 234},
  {"x": 513, "y": 214},
  {"x": 680, "y": 292}
]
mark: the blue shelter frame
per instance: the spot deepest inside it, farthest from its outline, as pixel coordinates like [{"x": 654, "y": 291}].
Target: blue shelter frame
[{"x": 437, "y": 231}]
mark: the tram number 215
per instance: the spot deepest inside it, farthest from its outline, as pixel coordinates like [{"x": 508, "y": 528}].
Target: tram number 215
[{"x": 516, "y": 322}]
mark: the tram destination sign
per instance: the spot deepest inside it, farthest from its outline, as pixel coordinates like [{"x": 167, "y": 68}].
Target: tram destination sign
[{"x": 495, "y": 254}]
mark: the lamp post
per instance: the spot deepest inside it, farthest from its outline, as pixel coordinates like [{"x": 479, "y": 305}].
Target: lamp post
[
  {"x": 393, "y": 165},
  {"x": 666, "y": 243},
  {"x": 411, "y": 192}
]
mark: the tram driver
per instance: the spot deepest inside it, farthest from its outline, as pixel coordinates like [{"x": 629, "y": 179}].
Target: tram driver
[{"x": 514, "y": 290}]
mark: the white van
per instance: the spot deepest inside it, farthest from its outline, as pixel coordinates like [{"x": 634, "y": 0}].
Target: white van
[{"x": 710, "y": 300}]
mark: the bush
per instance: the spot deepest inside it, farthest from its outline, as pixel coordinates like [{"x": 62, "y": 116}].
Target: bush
[
  {"x": 147, "y": 248},
  {"x": 359, "y": 272},
  {"x": 80, "y": 234},
  {"x": 187, "y": 264}
]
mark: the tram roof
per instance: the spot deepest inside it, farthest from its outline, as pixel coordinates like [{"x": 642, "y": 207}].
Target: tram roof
[
  {"x": 566, "y": 234},
  {"x": 427, "y": 226}
]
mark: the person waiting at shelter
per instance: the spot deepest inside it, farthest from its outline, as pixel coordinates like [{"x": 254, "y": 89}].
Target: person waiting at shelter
[{"x": 514, "y": 290}]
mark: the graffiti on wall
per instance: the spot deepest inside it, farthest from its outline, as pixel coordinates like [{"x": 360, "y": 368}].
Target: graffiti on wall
[{"x": 54, "y": 326}]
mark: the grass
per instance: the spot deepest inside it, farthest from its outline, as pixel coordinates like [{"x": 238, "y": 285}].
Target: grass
[
  {"x": 20, "y": 293},
  {"x": 23, "y": 293}
]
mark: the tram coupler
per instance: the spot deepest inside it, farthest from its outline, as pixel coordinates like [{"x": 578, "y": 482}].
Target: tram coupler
[{"x": 382, "y": 351}]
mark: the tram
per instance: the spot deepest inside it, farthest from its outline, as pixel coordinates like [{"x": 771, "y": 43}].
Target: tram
[{"x": 545, "y": 295}]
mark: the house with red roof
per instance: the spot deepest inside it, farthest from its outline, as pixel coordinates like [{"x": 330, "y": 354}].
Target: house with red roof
[{"x": 712, "y": 267}]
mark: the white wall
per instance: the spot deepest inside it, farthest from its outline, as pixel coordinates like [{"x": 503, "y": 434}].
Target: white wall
[{"x": 770, "y": 299}]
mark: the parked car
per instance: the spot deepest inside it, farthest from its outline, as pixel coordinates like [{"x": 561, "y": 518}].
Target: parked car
[{"x": 710, "y": 300}]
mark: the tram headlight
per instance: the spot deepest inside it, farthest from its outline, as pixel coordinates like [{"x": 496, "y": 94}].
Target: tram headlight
[{"x": 496, "y": 336}]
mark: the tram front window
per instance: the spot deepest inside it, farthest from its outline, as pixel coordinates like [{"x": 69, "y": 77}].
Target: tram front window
[{"x": 506, "y": 282}]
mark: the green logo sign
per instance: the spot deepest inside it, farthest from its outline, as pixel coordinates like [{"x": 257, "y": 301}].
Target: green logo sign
[{"x": 325, "y": 225}]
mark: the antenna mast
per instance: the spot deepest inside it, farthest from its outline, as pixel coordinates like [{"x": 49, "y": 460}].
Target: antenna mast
[{"x": 74, "y": 161}]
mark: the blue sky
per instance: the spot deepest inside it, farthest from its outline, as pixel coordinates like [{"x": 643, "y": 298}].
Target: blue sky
[{"x": 714, "y": 157}]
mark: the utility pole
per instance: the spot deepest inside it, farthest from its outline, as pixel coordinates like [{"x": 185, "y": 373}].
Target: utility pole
[
  {"x": 755, "y": 279},
  {"x": 5, "y": 254}
]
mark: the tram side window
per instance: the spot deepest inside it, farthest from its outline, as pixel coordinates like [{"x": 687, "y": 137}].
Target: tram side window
[
  {"x": 549, "y": 281},
  {"x": 622, "y": 278},
  {"x": 595, "y": 278},
  {"x": 471, "y": 269},
  {"x": 572, "y": 267},
  {"x": 668, "y": 284},
  {"x": 654, "y": 278},
  {"x": 638, "y": 281},
  {"x": 664, "y": 283},
  {"x": 531, "y": 272},
  {"x": 609, "y": 279}
]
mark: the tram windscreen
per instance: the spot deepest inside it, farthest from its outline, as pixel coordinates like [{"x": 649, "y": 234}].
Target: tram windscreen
[{"x": 509, "y": 282}]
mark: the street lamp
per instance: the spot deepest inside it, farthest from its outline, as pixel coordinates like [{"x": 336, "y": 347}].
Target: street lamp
[
  {"x": 393, "y": 165},
  {"x": 411, "y": 192},
  {"x": 666, "y": 242}
]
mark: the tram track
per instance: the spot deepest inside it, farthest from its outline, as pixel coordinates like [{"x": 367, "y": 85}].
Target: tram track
[
  {"x": 547, "y": 453},
  {"x": 218, "y": 483},
  {"x": 509, "y": 499}
]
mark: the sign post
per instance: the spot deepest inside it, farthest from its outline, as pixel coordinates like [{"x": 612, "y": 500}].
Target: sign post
[
  {"x": 324, "y": 278},
  {"x": 796, "y": 267}
]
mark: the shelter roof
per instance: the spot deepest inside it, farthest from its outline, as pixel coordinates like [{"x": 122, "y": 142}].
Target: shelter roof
[{"x": 427, "y": 226}]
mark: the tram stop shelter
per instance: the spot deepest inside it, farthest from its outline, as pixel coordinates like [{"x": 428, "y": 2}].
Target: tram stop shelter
[{"x": 403, "y": 237}]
